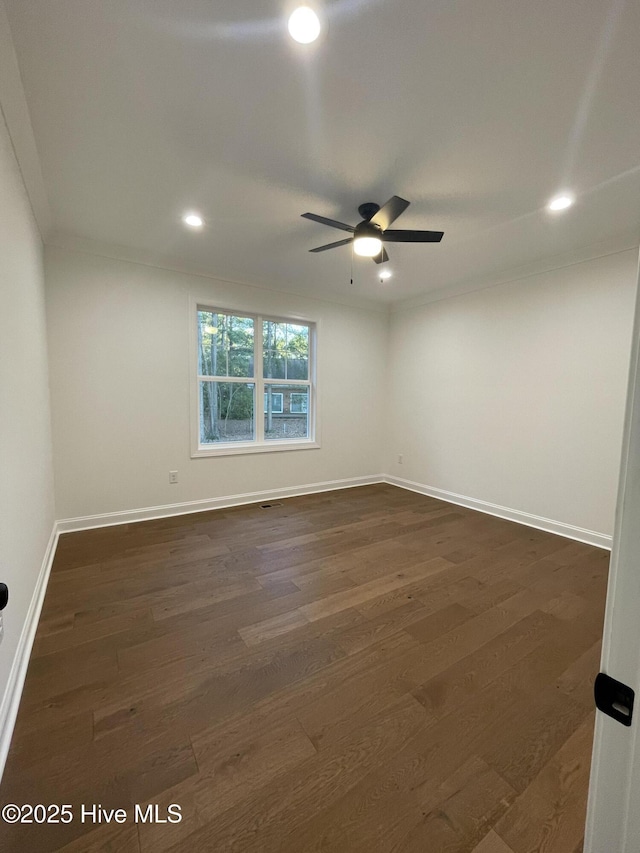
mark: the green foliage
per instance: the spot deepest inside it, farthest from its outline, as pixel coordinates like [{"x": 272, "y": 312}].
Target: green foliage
[
  {"x": 236, "y": 402},
  {"x": 286, "y": 350},
  {"x": 222, "y": 402},
  {"x": 225, "y": 344}
]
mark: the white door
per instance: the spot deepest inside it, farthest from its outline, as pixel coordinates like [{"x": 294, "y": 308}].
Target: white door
[{"x": 613, "y": 816}]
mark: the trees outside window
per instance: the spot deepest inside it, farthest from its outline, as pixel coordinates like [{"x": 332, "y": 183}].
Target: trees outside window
[{"x": 243, "y": 359}]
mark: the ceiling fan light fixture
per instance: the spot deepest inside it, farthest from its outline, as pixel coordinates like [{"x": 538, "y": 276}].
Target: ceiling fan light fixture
[
  {"x": 385, "y": 273},
  {"x": 370, "y": 234},
  {"x": 367, "y": 247}
]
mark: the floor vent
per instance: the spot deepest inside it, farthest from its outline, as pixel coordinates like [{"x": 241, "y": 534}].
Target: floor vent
[{"x": 269, "y": 506}]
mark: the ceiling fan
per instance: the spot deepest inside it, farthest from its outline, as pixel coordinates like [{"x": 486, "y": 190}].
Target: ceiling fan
[{"x": 373, "y": 231}]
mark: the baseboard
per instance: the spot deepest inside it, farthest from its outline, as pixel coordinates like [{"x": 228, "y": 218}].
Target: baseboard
[
  {"x": 13, "y": 692},
  {"x": 580, "y": 534},
  {"x": 87, "y": 522},
  {"x": 70, "y": 525}
]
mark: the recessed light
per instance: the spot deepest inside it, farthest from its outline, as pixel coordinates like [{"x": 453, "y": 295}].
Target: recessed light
[
  {"x": 193, "y": 220},
  {"x": 304, "y": 25},
  {"x": 385, "y": 274},
  {"x": 561, "y": 202}
]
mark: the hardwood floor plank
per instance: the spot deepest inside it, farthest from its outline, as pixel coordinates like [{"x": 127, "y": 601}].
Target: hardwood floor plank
[
  {"x": 370, "y": 631},
  {"x": 434, "y": 657},
  {"x": 492, "y": 843},
  {"x": 445, "y": 691},
  {"x": 106, "y": 839},
  {"x": 264, "y": 822},
  {"x": 441, "y": 622},
  {"x": 490, "y": 594},
  {"x": 544, "y": 728},
  {"x": 253, "y": 635},
  {"x": 346, "y": 707},
  {"x": 362, "y": 671},
  {"x": 550, "y": 813},
  {"x": 138, "y": 700},
  {"x": 235, "y": 762},
  {"x": 138, "y": 621},
  {"x": 475, "y": 798},
  {"x": 433, "y": 592},
  {"x": 347, "y": 762},
  {"x": 66, "y": 670},
  {"x": 193, "y": 703},
  {"x": 76, "y": 729},
  {"x": 581, "y": 673},
  {"x": 372, "y": 589}
]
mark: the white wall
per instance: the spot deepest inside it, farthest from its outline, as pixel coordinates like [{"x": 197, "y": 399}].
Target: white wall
[
  {"x": 26, "y": 484},
  {"x": 515, "y": 394},
  {"x": 119, "y": 358}
]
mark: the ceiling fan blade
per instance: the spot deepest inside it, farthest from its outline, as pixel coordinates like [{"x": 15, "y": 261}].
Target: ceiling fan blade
[
  {"x": 332, "y": 222},
  {"x": 382, "y": 257},
  {"x": 332, "y": 245},
  {"x": 413, "y": 236},
  {"x": 389, "y": 212}
]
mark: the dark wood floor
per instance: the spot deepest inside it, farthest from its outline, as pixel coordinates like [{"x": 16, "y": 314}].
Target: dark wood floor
[{"x": 363, "y": 671}]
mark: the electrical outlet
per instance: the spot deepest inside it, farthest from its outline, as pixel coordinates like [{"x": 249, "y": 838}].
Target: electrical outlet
[
  {"x": 173, "y": 477},
  {"x": 400, "y": 458}
]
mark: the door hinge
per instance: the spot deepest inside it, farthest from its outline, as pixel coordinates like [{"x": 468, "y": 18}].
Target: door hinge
[{"x": 614, "y": 698}]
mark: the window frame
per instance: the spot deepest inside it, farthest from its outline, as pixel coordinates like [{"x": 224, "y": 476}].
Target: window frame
[{"x": 258, "y": 444}]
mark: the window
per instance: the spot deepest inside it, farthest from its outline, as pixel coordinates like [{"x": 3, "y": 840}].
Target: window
[
  {"x": 276, "y": 403},
  {"x": 299, "y": 403},
  {"x": 241, "y": 359}
]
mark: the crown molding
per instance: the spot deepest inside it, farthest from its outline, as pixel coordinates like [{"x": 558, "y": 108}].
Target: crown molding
[
  {"x": 615, "y": 246},
  {"x": 129, "y": 255},
  {"x": 13, "y": 105}
]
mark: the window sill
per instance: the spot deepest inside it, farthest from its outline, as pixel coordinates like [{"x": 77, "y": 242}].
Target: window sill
[{"x": 240, "y": 449}]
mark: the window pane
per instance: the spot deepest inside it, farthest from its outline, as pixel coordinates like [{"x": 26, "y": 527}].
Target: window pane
[
  {"x": 299, "y": 403},
  {"x": 292, "y": 421},
  {"x": 225, "y": 344},
  {"x": 226, "y": 412},
  {"x": 273, "y": 402},
  {"x": 285, "y": 350}
]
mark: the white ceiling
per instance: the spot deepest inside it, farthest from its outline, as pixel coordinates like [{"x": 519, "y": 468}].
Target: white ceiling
[{"x": 477, "y": 111}]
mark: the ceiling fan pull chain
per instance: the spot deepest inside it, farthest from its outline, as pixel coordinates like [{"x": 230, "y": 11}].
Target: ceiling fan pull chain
[{"x": 351, "y": 263}]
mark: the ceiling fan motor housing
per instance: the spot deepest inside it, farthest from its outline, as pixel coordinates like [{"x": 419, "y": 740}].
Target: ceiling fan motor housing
[
  {"x": 368, "y": 209},
  {"x": 368, "y": 229}
]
